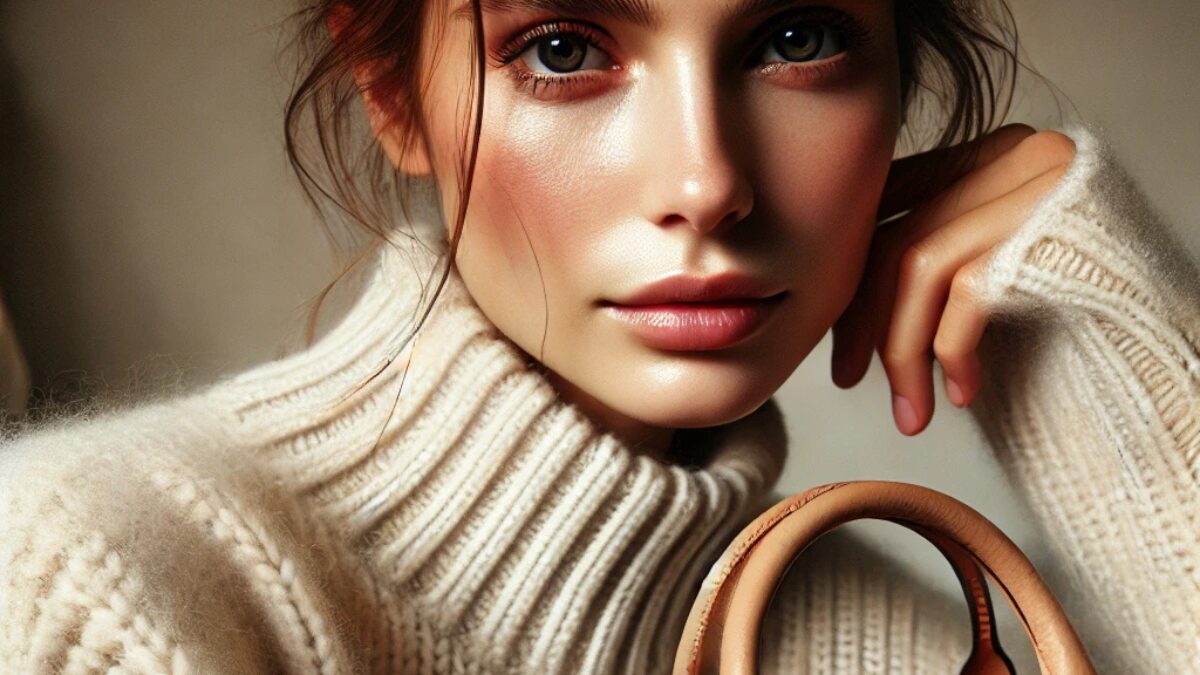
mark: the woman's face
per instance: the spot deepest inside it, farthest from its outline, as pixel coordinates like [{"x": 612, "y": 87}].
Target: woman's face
[{"x": 668, "y": 137}]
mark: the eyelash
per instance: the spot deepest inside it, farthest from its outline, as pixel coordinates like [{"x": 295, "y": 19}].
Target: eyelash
[
  {"x": 852, "y": 31},
  {"x": 508, "y": 53}
]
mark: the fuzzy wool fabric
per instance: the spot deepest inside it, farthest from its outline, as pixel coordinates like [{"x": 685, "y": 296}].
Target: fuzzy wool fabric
[{"x": 338, "y": 510}]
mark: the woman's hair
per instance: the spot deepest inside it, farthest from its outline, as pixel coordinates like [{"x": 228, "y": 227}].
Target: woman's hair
[{"x": 958, "y": 60}]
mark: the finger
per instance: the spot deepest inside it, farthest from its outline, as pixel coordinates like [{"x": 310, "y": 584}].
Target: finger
[
  {"x": 1006, "y": 160},
  {"x": 853, "y": 341},
  {"x": 854, "y": 336},
  {"x": 1031, "y": 157},
  {"x": 844, "y": 372},
  {"x": 1036, "y": 155},
  {"x": 914, "y": 179},
  {"x": 852, "y": 350},
  {"x": 910, "y": 180},
  {"x": 959, "y": 331},
  {"x": 922, "y": 288}
]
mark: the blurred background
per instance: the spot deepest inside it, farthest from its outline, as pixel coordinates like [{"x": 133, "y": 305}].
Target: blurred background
[{"x": 151, "y": 230}]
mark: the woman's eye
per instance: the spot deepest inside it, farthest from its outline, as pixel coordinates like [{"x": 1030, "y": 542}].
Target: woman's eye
[
  {"x": 563, "y": 53},
  {"x": 799, "y": 43}
]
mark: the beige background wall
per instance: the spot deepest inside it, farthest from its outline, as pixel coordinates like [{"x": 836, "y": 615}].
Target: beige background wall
[{"x": 148, "y": 218}]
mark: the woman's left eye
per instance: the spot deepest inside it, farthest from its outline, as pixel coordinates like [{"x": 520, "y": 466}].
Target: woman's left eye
[{"x": 801, "y": 43}]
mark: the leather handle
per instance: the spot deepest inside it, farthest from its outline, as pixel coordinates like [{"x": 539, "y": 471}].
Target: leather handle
[{"x": 721, "y": 636}]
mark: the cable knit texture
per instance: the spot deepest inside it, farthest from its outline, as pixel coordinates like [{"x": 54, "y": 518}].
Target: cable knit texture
[{"x": 339, "y": 510}]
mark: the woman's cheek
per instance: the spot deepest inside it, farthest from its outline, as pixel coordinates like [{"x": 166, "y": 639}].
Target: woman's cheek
[
  {"x": 856, "y": 180},
  {"x": 528, "y": 237},
  {"x": 823, "y": 179},
  {"x": 544, "y": 191}
]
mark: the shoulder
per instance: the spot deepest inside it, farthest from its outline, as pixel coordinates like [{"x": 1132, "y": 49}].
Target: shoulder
[
  {"x": 93, "y": 455},
  {"x": 85, "y": 533},
  {"x": 139, "y": 527},
  {"x": 105, "y": 462}
]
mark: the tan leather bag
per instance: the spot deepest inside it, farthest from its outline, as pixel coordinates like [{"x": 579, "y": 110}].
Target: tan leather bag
[{"x": 721, "y": 636}]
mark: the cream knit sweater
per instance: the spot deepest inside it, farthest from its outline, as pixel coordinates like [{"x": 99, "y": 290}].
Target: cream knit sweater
[{"x": 280, "y": 520}]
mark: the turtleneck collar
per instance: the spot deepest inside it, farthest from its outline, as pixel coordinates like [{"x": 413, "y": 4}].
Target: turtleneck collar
[{"x": 512, "y": 520}]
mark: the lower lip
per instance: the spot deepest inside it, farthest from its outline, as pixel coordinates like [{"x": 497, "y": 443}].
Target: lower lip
[{"x": 696, "y": 326}]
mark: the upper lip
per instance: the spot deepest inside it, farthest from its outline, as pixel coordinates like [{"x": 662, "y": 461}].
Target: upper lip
[{"x": 686, "y": 288}]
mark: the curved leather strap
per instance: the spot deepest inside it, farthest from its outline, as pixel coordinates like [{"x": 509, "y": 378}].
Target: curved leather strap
[
  {"x": 722, "y": 631},
  {"x": 987, "y": 658}
]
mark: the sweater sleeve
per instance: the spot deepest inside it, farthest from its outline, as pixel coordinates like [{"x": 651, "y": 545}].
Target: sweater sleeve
[
  {"x": 1091, "y": 403},
  {"x": 124, "y": 549}
]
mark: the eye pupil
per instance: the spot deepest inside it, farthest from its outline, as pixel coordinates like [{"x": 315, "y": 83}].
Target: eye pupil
[
  {"x": 562, "y": 53},
  {"x": 799, "y": 43}
]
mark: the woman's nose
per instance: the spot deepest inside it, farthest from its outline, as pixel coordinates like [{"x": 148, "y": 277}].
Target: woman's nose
[{"x": 694, "y": 172}]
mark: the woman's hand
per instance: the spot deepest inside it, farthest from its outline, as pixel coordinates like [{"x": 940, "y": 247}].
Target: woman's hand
[{"x": 917, "y": 298}]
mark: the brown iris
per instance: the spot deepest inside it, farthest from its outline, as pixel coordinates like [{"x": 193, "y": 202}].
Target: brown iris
[
  {"x": 562, "y": 53},
  {"x": 799, "y": 43}
]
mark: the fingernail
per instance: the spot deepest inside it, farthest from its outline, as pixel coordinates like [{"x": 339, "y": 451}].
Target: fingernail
[
  {"x": 906, "y": 417},
  {"x": 954, "y": 392}
]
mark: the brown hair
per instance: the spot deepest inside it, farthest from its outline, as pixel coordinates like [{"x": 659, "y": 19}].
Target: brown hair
[{"x": 957, "y": 57}]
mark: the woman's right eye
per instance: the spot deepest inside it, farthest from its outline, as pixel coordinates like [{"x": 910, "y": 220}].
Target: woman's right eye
[
  {"x": 560, "y": 47},
  {"x": 563, "y": 53},
  {"x": 555, "y": 55}
]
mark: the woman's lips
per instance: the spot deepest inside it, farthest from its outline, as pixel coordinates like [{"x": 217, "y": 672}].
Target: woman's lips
[{"x": 696, "y": 326}]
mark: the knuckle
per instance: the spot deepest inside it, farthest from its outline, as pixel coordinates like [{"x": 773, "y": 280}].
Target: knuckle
[
  {"x": 916, "y": 262},
  {"x": 944, "y": 351},
  {"x": 964, "y": 298},
  {"x": 894, "y": 357},
  {"x": 964, "y": 292}
]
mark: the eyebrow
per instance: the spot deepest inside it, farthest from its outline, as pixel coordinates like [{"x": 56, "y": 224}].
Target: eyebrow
[{"x": 637, "y": 12}]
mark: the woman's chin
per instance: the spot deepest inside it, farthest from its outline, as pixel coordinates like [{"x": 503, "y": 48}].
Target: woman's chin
[
  {"x": 639, "y": 387},
  {"x": 698, "y": 405},
  {"x": 689, "y": 419}
]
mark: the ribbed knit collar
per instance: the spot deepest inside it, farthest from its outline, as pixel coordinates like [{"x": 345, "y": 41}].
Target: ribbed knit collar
[{"x": 542, "y": 542}]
